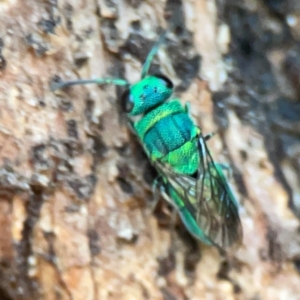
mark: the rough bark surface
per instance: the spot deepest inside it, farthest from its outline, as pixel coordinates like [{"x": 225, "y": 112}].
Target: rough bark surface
[{"x": 75, "y": 186}]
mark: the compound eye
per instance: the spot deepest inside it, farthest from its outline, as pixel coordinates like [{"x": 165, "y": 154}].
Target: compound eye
[
  {"x": 127, "y": 102},
  {"x": 167, "y": 81}
]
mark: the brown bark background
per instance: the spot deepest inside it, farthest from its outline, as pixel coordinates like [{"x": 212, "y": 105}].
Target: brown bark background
[{"x": 75, "y": 186}]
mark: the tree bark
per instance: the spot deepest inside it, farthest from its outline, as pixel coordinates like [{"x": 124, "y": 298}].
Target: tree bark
[{"x": 75, "y": 186}]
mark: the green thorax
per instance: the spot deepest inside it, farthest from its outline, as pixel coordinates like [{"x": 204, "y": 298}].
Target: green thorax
[{"x": 168, "y": 134}]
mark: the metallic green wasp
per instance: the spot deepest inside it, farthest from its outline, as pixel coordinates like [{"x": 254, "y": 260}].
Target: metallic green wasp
[{"x": 191, "y": 181}]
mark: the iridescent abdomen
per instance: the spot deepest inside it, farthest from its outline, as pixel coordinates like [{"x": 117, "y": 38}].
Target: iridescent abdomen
[{"x": 169, "y": 135}]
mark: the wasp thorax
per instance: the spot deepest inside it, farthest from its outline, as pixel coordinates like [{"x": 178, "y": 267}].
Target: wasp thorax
[{"x": 147, "y": 94}]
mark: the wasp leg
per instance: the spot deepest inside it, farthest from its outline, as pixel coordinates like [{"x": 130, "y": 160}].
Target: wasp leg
[
  {"x": 209, "y": 136},
  {"x": 130, "y": 126},
  {"x": 188, "y": 108},
  {"x": 157, "y": 192},
  {"x": 173, "y": 220},
  {"x": 174, "y": 238},
  {"x": 173, "y": 210},
  {"x": 188, "y": 111},
  {"x": 158, "y": 185},
  {"x": 226, "y": 168}
]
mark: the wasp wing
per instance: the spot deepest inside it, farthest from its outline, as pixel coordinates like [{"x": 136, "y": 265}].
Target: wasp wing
[
  {"x": 218, "y": 210},
  {"x": 208, "y": 198}
]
